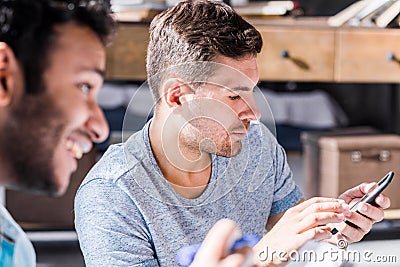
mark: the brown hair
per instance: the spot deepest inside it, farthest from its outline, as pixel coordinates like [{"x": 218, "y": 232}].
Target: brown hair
[
  {"x": 197, "y": 30},
  {"x": 28, "y": 27}
]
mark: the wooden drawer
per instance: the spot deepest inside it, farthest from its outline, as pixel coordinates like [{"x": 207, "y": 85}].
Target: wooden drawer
[
  {"x": 363, "y": 56},
  {"x": 126, "y": 57},
  {"x": 296, "y": 54}
]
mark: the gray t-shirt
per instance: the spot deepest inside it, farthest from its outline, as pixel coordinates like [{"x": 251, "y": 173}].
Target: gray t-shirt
[{"x": 127, "y": 214}]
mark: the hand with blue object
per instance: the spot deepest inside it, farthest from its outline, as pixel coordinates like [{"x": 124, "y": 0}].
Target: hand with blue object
[{"x": 216, "y": 249}]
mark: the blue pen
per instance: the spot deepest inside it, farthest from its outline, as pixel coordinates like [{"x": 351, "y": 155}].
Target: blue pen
[{"x": 185, "y": 255}]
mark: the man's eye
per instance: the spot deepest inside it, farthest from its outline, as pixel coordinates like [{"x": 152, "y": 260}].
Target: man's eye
[
  {"x": 236, "y": 97},
  {"x": 84, "y": 87}
]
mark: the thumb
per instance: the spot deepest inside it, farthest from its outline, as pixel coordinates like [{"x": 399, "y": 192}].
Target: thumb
[{"x": 357, "y": 192}]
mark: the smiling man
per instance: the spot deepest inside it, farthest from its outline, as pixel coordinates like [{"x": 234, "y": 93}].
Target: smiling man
[
  {"x": 203, "y": 157},
  {"x": 52, "y": 60}
]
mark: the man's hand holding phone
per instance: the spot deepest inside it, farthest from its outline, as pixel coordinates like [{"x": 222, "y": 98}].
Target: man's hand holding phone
[
  {"x": 303, "y": 222},
  {"x": 364, "y": 214}
]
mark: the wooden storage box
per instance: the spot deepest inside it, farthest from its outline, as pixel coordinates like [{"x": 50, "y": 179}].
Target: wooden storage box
[
  {"x": 347, "y": 161},
  {"x": 311, "y": 153}
]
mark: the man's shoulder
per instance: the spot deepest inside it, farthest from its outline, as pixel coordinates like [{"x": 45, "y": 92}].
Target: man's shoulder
[{"x": 118, "y": 160}]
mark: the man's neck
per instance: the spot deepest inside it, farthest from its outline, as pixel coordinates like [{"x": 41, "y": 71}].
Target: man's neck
[{"x": 189, "y": 178}]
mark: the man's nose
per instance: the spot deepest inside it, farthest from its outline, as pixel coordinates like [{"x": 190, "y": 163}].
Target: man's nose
[
  {"x": 97, "y": 125},
  {"x": 250, "y": 109}
]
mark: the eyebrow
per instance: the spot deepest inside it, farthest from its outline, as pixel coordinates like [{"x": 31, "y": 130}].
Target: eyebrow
[
  {"x": 243, "y": 88},
  {"x": 100, "y": 72}
]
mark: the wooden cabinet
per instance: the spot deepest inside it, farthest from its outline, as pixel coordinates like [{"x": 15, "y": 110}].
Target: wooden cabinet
[
  {"x": 126, "y": 56},
  {"x": 293, "y": 51},
  {"x": 296, "y": 54},
  {"x": 368, "y": 55}
]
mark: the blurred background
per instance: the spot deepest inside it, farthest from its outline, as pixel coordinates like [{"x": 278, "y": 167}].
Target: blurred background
[{"x": 335, "y": 101}]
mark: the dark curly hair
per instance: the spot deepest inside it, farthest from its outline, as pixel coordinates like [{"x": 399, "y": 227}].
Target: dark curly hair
[
  {"x": 27, "y": 26},
  {"x": 197, "y": 30}
]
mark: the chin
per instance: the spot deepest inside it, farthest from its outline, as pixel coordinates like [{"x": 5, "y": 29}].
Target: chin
[
  {"x": 231, "y": 152},
  {"x": 54, "y": 191},
  {"x": 60, "y": 185},
  {"x": 236, "y": 149},
  {"x": 56, "y": 186},
  {"x": 235, "y": 152},
  {"x": 58, "y": 193}
]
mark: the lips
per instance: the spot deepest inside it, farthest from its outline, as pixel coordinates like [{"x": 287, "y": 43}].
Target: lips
[
  {"x": 240, "y": 132},
  {"x": 239, "y": 135}
]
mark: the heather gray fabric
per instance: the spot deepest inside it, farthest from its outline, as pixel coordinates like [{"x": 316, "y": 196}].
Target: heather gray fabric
[{"x": 128, "y": 215}]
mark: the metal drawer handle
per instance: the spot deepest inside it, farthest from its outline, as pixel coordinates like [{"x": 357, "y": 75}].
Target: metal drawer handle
[
  {"x": 285, "y": 54},
  {"x": 391, "y": 56},
  {"x": 383, "y": 155},
  {"x": 298, "y": 62}
]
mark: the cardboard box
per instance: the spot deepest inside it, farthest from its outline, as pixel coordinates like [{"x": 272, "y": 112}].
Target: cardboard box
[
  {"x": 347, "y": 161},
  {"x": 311, "y": 153}
]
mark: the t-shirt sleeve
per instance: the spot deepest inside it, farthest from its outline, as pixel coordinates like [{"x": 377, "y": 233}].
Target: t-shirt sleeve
[
  {"x": 286, "y": 193},
  {"x": 110, "y": 228}
]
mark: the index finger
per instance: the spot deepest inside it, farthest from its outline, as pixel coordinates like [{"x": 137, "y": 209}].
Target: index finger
[
  {"x": 383, "y": 201},
  {"x": 304, "y": 205}
]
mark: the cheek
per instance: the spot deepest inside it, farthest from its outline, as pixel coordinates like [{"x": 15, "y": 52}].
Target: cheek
[
  {"x": 78, "y": 117},
  {"x": 75, "y": 112},
  {"x": 71, "y": 116},
  {"x": 224, "y": 113},
  {"x": 217, "y": 131},
  {"x": 226, "y": 121}
]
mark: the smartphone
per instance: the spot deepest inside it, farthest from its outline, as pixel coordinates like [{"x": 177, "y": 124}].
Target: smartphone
[{"x": 369, "y": 197}]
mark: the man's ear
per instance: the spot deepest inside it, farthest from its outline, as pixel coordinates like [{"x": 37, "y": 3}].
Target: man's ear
[
  {"x": 7, "y": 63},
  {"x": 175, "y": 91}
]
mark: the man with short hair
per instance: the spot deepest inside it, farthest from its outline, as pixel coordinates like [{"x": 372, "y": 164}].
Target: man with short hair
[
  {"x": 203, "y": 157},
  {"x": 52, "y": 63}
]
